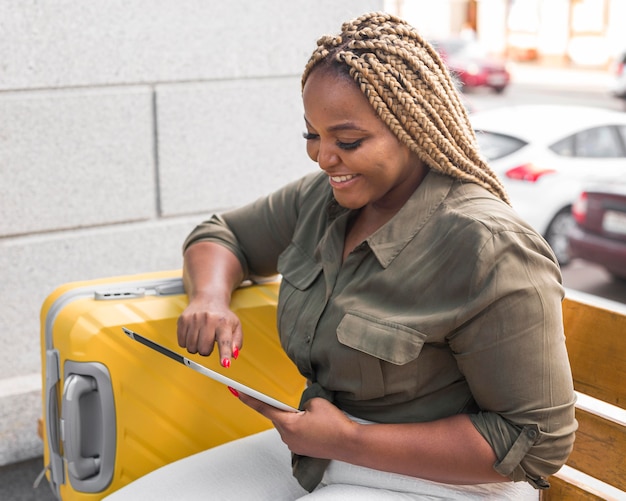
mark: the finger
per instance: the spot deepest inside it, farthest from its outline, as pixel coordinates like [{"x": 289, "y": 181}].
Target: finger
[
  {"x": 182, "y": 326},
  {"x": 224, "y": 335},
  {"x": 225, "y": 351},
  {"x": 237, "y": 341},
  {"x": 183, "y": 329},
  {"x": 206, "y": 339},
  {"x": 270, "y": 412},
  {"x": 191, "y": 339}
]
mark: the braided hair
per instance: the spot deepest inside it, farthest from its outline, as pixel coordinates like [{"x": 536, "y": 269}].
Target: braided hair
[{"x": 411, "y": 90}]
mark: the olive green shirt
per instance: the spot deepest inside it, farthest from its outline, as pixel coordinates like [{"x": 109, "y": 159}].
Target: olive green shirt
[{"x": 453, "y": 306}]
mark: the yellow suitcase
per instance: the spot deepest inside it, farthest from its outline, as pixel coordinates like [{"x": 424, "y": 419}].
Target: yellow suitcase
[{"x": 114, "y": 410}]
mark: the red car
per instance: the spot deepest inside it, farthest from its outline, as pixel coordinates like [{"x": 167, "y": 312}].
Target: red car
[
  {"x": 599, "y": 235},
  {"x": 471, "y": 64}
]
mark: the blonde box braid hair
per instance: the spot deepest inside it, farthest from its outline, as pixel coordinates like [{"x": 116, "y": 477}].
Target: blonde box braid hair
[{"x": 411, "y": 90}]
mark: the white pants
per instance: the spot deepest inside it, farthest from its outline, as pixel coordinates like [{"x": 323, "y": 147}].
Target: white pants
[{"x": 258, "y": 468}]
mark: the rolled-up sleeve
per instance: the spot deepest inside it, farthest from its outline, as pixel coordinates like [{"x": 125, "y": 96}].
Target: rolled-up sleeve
[
  {"x": 513, "y": 355},
  {"x": 258, "y": 232}
]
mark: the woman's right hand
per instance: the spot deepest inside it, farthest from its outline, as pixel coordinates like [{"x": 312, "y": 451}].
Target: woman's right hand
[
  {"x": 210, "y": 274},
  {"x": 206, "y": 322}
]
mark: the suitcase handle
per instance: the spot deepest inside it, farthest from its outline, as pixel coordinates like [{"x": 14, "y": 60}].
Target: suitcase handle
[
  {"x": 76, "y": 387},
  {"x": 88, "y": 428}
]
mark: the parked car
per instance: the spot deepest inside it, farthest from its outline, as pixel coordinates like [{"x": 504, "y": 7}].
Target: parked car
[
  {"x": 546, "y": 154},
  {"x": 599, "y": 235},
  {"x": 472, "y": 65},
  {"x": 618, "y": 87}
]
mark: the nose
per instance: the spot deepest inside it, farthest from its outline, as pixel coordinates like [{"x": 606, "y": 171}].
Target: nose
[{"x": 327, "y": 156}]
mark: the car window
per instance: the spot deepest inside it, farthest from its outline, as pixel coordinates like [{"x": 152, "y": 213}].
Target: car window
[
  {"x": 597, "y": 142},
  {"x": 494, "y": 146},
  {"x": 565, "y": 147},
  {"x": 622, "y": 132}
]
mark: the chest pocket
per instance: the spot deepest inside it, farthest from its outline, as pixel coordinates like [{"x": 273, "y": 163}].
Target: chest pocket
[
  {"x": 299, "y": 272},
  {"x": 392, "y": 342},
  {"x": 385, "y": 356},
  {"x": 297, "y": 267}
]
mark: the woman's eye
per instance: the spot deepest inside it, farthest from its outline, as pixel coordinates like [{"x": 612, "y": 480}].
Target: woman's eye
[
  {"x": 350, "y": 146},
  {"x": 310, "y": 136}
]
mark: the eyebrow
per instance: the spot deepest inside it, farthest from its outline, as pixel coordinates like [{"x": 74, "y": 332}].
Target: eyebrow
[{"x": 341, "y": 126}]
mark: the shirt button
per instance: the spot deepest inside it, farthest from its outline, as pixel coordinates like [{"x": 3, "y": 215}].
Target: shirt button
[
  {"x": 532, "y": 434},
  {"x": 307, "y": 339}
]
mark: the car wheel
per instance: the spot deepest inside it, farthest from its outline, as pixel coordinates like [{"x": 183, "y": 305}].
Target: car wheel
[
  {"x": 621, "y": 278},
  {"x": 499, "y": 89},
  {"x": 556, "y": 235}
]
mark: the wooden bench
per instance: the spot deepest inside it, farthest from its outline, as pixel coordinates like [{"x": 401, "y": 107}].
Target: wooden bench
[{"x": 595, "y": 331}]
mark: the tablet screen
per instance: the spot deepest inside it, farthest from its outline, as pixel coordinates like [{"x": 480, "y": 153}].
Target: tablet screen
[{"x": 208, "y": 372}]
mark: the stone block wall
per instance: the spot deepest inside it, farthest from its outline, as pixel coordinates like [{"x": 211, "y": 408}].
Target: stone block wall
[{"x": 122, "y": 125}]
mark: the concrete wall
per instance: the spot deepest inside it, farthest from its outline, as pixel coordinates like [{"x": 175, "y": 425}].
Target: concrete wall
[{"x": 122, "y": 125}]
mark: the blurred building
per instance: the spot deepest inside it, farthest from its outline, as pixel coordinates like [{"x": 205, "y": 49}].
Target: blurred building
[{"x": 588, "y": 33}]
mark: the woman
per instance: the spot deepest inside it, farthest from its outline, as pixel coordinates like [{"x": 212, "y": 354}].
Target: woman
[{"x": 424, "y": 313}]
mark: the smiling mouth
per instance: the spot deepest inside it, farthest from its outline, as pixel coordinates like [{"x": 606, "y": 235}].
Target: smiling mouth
[{"x": 342, "y": 179}]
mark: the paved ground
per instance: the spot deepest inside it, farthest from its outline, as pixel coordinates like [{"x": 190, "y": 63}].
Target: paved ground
[{"x": 16, "y": 482}]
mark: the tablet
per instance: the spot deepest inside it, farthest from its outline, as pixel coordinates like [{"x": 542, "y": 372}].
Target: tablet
[{"x": 208, "y": 372}]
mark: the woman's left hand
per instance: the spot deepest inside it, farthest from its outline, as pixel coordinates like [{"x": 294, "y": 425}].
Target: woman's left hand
[
  {"x": 316, "y": 432},
  {"x": 449, "y": 450}
]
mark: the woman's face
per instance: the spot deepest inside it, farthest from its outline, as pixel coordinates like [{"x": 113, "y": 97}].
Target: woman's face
[{"x": 365, "y": 162}]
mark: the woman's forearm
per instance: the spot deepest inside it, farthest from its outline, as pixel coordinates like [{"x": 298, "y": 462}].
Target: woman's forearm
[
  {"x": 210, "y": 269},
  {"x": 449, "y": 450}
]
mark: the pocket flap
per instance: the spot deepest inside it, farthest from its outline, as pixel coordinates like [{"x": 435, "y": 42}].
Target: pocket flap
[
  {"x": 388, "y": 341},
  {"x": 297, "y": 267}
]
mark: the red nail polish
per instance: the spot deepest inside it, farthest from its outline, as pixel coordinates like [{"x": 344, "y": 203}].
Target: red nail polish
[
  {"x": 226, "y": 362},
  {"x": 235, "y": 353},
  {"x": 233, "y": 391}
]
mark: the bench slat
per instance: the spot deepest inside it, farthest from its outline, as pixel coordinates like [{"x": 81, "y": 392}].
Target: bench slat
[
  {"x": 596, "y": 343},
  {"x": 570, "y": 484},
  {"x": 599, "y": 449},
  {"x": 601, "y": 408}
]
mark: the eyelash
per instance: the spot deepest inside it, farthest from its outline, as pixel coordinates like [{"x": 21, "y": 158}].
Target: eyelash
[{"x": 344, "y": 146}]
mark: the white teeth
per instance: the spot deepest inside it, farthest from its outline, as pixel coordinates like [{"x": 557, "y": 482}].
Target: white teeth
[{"x": 342, "y": 179}]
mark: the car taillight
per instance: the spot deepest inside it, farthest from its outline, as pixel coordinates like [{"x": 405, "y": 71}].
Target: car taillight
[
  {"x": 579, "y": 209},
  {"x": 527, "y": 172}
]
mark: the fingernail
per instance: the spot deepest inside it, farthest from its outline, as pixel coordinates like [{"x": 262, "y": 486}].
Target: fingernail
[
  {"x": 226, "y": 362},
  {"x": 235, "y": 353},
  {"x": 233, "y": 391}
]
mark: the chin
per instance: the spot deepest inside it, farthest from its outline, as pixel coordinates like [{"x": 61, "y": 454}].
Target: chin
[{"x": 349, "y": 204}]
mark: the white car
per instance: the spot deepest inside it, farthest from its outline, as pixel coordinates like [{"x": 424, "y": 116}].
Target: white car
[{"x": 545, "y": 155}]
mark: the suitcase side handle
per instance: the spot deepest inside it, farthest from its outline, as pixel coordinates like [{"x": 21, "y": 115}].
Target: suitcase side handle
[
  {"x": 88, "y": 426},
  {"x": 76, "y": 387}
]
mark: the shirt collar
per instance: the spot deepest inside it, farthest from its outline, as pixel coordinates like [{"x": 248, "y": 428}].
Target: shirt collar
[{"x": 389, "y": 240}]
